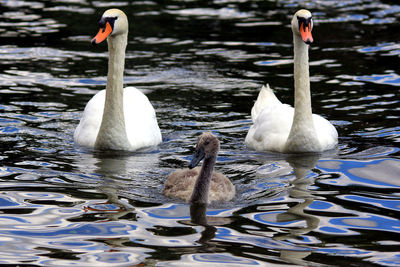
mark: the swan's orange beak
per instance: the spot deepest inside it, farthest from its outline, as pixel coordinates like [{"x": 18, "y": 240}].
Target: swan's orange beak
[
  {"x": 102, "y": 34},
  {"x": 305, "y": 32}
]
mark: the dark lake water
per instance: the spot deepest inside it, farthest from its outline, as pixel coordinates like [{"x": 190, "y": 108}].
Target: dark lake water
[{"x": 201, "y": 64}]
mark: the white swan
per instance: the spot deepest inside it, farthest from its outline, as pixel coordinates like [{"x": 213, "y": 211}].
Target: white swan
[
  {"x": 117, "y": 118},
  {"x": 203, "y": 185},
  {"x": 278, "y": 127}
]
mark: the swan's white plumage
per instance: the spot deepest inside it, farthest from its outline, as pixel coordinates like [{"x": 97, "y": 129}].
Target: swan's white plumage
[
  {"x": 265, "y": 98},
  {"x": 281, "y": 128},
  {"x": 273, "y": 120},
  {"x": 140, "y": 120}
]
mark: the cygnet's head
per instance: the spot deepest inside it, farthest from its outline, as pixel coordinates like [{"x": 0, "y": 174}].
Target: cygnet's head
[
  {"x": 207, "y": 145},
  {"x": 112, "y": 23},
  {"x": 302, "y": 25}
]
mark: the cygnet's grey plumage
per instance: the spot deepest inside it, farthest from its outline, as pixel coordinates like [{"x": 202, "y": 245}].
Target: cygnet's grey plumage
[{"x": 201, "y": 185}]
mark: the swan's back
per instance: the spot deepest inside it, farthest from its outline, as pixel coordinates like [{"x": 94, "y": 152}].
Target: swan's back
[{"x": 180, "y": 184}]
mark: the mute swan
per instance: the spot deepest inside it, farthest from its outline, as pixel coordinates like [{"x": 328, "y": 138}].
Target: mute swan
[
  {"x": 117, "y": 118},
  {"x": 278, "y": 127},
  {"x": 201, "y": 185}
]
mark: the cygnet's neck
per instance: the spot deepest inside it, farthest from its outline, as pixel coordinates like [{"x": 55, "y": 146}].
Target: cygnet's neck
[
  {"x": 202, "y": 186},
  {"x": 112, "y": 133},
  {"x": 198, "y": 213},
  {"x": 302, "y": 133}
]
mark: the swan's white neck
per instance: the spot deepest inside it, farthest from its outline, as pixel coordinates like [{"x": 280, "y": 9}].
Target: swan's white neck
[
  {"x": 112, "y": 133},
  {"x": 302, "y": 135},
  {"x": 202, "y": 186}
]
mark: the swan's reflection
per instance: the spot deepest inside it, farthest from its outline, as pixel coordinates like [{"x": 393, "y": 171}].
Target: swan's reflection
[
  {"x": 109, "y": 167},
  {"x": 301, "y": 165},
  {"x": 115, "y": 173},
  {"x": 113, "y": 208}
]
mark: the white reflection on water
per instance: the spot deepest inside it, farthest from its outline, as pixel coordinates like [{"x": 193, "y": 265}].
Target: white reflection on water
[
  {"x": 389, "y": 79},
  {"x": 379, "y": 173},
  {"x": 227, "y": 259}
]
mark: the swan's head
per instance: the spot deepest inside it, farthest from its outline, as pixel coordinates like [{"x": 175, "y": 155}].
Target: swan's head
[
  {"x": 112, "y": 23},
  {"x": 207, "y": 145},
  {"x": 302, "y": 25}
]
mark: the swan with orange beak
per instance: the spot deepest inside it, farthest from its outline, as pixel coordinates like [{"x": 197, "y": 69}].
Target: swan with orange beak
[
  {"x": 281, "y": 128},
  {"x": 117, "y": 118},
  {"x": 113, "y": 22}
]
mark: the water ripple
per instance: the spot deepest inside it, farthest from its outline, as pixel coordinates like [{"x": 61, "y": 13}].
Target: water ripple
[{"x": 387, "y": 79}]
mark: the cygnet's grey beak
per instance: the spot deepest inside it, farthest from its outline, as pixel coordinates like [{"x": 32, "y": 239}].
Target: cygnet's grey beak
[{"x": 197, "y": 157}]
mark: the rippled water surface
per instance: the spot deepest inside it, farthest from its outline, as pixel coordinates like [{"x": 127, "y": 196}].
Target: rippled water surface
[{"x": 201, "y": 64}]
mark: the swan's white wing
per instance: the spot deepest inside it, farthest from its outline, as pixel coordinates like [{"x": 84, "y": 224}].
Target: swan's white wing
[
  {"x": 140, "y": 120},
  {"x": 88, "y": 128},
  {"x": 265, "y": 97},
  {"x": 326, "y": 132},
  {"x": 271, "y": 123}
]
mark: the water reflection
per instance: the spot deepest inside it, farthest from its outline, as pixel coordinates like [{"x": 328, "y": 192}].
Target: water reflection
[
  {"x": 294, "y": 223},
  {"x": 131, "y": 175},
  {"x": 113, "y": 208},
  {"x": 381, "y": 173},
  {"x": 300, "y": 190},
  {"x": 198, "y": 217}
]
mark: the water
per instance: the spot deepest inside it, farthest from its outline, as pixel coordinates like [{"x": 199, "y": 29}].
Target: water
[{"x": 201, "y": 64}]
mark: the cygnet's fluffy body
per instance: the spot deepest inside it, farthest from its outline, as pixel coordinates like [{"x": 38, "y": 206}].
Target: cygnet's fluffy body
[
  {"x": 181, "y": 182},
  {"x": 201, "y": 184}
]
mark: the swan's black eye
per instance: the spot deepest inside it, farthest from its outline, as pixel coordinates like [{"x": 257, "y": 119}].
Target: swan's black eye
[
  {"x": 305, "y": 22},
  {"x": 103, "y": 21}
]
